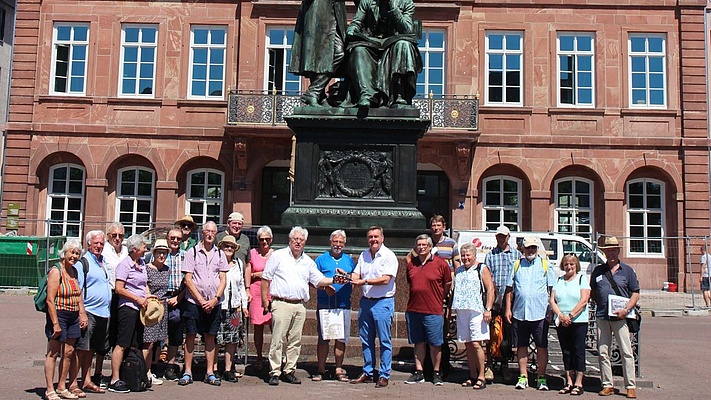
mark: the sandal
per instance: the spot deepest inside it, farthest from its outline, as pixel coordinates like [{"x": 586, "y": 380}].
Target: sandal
[
  {"x": 78, "y": 392},
  {"x": 577, "y": 391},
  {"x": 213, "y": 380},
  {"x": 318, "y": 377},
  {"x": 92, "y": 388},
  {"x": 480, "y": 384},
  {"x": 52, "y": 395},
  {"x": 342, "y": 377},
  {"x": 468, "y": 383},
  {"x": 185, "y": 380},
  {"x": 66, "y": 394},
  {"x": 566, "y": 389}
]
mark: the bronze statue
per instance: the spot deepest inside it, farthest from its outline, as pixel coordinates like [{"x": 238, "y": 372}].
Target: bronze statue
[
  {"x": 318, "y": 47},
  {"x": 384, "y": 59}
]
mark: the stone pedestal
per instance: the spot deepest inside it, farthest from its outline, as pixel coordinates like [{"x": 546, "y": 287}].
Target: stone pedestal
[{"x": 356, "y": 168}]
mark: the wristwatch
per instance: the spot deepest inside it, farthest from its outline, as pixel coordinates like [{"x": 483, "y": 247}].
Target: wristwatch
[{"x": 487, "y": 309}]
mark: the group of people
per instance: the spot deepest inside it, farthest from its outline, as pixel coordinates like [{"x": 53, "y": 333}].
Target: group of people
[{"x": 101, "y": 300}]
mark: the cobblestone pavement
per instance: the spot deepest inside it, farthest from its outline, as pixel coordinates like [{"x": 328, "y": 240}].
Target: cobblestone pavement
[{"x": 674, "y": 358}]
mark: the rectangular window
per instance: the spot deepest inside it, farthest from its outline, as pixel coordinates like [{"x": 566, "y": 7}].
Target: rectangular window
[
  {"x": 574, "y": 206},
  {"x": 575, "y": 69},
  {"x": 3, "y": 14},
  {"x": 204, "y": 198},
  {"x": 501, "y": 203},
  {"x": 647, "y": 70},
  {"x": 645, "y": 213},
  {"x": 69, "y": 58},
  {"x": 65, "y": 205},
  {"x": 277, "y": 77},
  {"x": 431, "y": 79},
  {"x": 504, "y": 73},
  {"x": 138, "y": 60},
  {"x": 134, "y": 199},
  {"x": 207, "y": 62}
]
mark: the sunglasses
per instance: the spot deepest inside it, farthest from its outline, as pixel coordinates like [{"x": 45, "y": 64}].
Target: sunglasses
[
  {"x": 227, "y": 247},
  {"x": 185, "y": 226},
  {"x": 173, "y": 238},
  {"x": 266, "y": 239},
  {"x": 116, "y": 235}
]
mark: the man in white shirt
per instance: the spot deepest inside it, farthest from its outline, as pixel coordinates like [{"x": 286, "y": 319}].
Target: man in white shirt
[
  {"x": 286, "y": 277},
  {"x": 375, "y": 272},
  {"x": 115, "y": 251}
]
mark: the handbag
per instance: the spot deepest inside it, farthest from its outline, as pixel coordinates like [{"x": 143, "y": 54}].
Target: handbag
[
  {"x": 633, "y": 324},
  {"x": 333, "y": 323}
]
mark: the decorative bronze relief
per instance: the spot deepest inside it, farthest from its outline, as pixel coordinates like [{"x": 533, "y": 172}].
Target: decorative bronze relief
[{"x": 355, "y": 174}]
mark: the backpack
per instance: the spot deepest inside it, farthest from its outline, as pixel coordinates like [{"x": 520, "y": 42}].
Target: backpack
[
  {"x": 40, "y": 297},
  {"x": 133, "y": 370},
  {"x": 517, "y": 264}
]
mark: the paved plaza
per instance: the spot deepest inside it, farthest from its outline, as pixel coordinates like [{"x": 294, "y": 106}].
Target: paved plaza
[{"x": 674, "y": 365}]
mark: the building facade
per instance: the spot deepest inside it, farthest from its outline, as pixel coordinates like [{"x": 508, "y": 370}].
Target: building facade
[{"x": 592, "y": 118}]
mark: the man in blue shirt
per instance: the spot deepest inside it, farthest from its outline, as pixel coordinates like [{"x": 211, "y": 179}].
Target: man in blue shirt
[
  {"x": 527, "y": 293},
  {"x": 96, "y": 293},
  {"x": 334, "y": 297}
]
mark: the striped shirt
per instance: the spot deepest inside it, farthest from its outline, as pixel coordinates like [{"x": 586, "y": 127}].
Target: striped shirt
[
  {"x": 68, "y": 293},
  {"x": 175, "y": 263},
  {"x": 500, "y": 262}
]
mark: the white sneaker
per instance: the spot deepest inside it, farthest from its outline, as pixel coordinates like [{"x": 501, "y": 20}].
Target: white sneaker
[{"x": 155, "y": 380}]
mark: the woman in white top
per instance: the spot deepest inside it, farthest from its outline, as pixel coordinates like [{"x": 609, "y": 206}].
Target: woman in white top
[
  {"x": 472, "y": 281},
  {"x": 234, "y": 307},
  {"x": 569, "y": 301}
]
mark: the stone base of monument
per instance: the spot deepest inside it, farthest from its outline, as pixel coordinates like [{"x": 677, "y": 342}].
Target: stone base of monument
[{"x": 355, "y": 168}]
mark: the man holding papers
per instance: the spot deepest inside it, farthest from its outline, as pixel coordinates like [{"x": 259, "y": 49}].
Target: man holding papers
[{"x": 614, "y": 283}]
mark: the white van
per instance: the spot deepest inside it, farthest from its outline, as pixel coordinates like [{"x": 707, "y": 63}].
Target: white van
[
  {"x": 556, "y": 245},
  {"x": 560, "y": 244},
  {"x": 485, "y": 241}
]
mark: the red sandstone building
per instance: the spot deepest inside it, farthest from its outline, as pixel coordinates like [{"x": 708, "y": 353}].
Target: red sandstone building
[{"x": 592, "y": 117}]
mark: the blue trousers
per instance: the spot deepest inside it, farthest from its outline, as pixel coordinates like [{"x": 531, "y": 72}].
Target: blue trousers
[{"x": 376, "y": 317}]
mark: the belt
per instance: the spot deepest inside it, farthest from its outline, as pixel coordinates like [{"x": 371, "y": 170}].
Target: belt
[
  {"x": 290, "y": 301},
  {"x": 377, "y": 298}
]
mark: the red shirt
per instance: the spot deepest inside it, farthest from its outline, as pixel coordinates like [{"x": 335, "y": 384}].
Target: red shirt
[{"x": 427, "y": 284}]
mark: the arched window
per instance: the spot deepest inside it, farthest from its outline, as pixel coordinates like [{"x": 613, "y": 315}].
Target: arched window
[
  {"x": 65, "y": 202},
  {"x": 205, "y": 195},
  {"x": 134, "y": 199},
  {"x": 645, "y": 216},
  {"x": 502, "y": 203},
  {"x": 574, "y": 206}
]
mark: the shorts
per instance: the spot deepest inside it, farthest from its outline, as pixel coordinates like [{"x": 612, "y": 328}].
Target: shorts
[
  {"x": 705, "y": 284},
  {"x": 424, "y": 328},
  {"x": 95, "y": 337},
  {"x": 198, "y": 321},
  {"x": 129, "y": 329},
  {"x": 68, "y": 323},
  {"x": 522, "y": 331},
  {"x": 229, "y": 333},
  {"x": 346, "y": 326},
  {"x": 471, "y": 326}
]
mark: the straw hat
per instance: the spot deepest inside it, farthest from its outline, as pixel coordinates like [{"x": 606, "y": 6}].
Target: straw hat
[
  {"x": 610, "y": 242},
  {"x": 161, "y": 244},
  {"x": 187, "y": 219},
  {"x": 153, "y": 313},
  {"x": 229, "y": 239}
]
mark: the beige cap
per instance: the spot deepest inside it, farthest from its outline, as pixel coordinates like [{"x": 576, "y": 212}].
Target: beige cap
[
  {"x": 529, "y": 241},
  {"x": 235, "y": 216}
]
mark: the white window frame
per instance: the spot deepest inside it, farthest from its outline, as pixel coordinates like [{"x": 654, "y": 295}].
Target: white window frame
[
  {"x": 645, "y": 211},
  {"x": 71, "y": 43},
  {"x": 134, "y": 226},
  {"x": 575, "y": 209},
  {"x": 426, "y": 51},
  {"x": 64, "y": 222},
  {"x": 576, "y": 54},
  {"x": 501, "y": 208},
  {"x": 205, "y": 201},
  {"x": 503, "y": 52},
  {"x": 140, "y": 45},
  {"x": 209, "y": 47},
  {"x": 647, "y": 55},
  {"x": 286, "y": 47}
]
